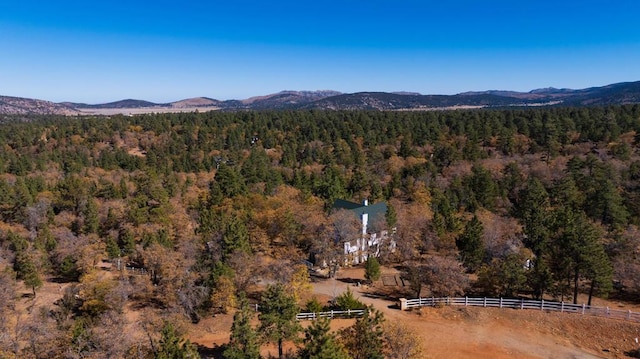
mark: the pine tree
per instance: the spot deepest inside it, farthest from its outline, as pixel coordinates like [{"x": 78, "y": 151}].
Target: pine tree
[
  {"x": 578, "y": 250},
  {"x": 533, "y": 211},
  {"x": 346, "y": 301},
  {"x": 244, "y": 343},
  {"x": 172, "y": 346},
  {"x": 234, "y": 238},
  {"x": 278, "y": 312},
  {"x": 320, "y": 343},
  {"x": 391, "y": 216},
  {"x": 365, "y": 338},
  {"x": 372, "y": 269},
  {"x": 26, "y": 269},
  {"x": 91, "y": 221},
  {"x": 470, "y": 244}
]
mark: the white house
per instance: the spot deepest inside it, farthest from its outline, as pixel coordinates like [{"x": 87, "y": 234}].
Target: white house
[{"x": 369, "y": 243}]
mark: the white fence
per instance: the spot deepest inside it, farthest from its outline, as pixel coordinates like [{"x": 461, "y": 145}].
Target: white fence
[
  {"x": 351, "y": 313},
  {"x": 542, "y": 305},
  {"x": 331, "y": 314}
]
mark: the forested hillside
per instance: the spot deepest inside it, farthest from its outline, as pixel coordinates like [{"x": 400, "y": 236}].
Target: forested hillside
[{"x": 539, "y": 202}]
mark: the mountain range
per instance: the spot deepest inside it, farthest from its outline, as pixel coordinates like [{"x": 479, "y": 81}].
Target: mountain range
[{"x": 619, "y": 93}]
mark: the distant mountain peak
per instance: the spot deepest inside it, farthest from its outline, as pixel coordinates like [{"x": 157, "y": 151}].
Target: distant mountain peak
[
  {"x": 25, "y": 106},
  {"x": 195, "y": 102},
  {"x": 406, "y": 93},
  {"x": 551, "y": 90},
  {"x": 618, "y": 93},
  {"x": 288, "y": 97}
]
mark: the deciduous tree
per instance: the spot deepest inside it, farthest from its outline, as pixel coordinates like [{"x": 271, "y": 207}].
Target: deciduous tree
[{"x": 402, "y": 342}]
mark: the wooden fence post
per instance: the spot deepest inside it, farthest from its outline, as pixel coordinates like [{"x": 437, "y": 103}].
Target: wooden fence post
[
  {"x": 561, "y": 307},
  {"x": 521, "y": 303},
  {"x": 484, "y": 303},
  {"x": 629, "y": 315},
  {"x": 466, "y": 301},
  {"x": 500, "y": 302},
  {"x": 542, "y": 304},
  {"x": 583, "y": 308}
]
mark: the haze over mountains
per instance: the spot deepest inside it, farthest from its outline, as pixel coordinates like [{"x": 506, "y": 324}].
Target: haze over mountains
[{"x": 619, "y": 93}]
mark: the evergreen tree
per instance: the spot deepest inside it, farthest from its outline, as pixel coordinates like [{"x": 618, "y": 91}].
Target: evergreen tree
[
  {"x": 172, "y": 346},
  {"x": 391, "y": 216},
  {"x": 227, "y": 183},
  {"x": 346, "y": 301},
  {"x": 372, "y": 268},
  {"x": 320, "y": 343},
  {"x": 27, "y": 270},
  {"x": 579, "y": 252},
  {"x": 278, "y": 321},
  {"x": 244, "y": 343},
  {"x": 313, "y": 305},
  {"x": 470, "y": 244},
  {"x": 365, "y": 338},
  {"x": 234, "y": 238},
  {"x": 483, "y": 189},
  {"x": 91, "y": 221},
  {"x": 503, "y": 277},
  {"x": 533, "y": 211}
]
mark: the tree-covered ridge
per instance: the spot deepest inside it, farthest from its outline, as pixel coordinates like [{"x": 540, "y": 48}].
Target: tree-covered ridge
[
  {"x": 331, "y": 154},
  {"x": 538, "y": 201}
]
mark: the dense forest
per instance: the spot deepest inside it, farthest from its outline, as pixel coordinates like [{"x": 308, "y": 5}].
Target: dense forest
[{"x": 514, "y": 202}]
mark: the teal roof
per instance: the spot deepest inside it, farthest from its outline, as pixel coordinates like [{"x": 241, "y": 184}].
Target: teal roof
[
  {"x": 375, "y": 211},
  {"x": 342, "y": 204}
]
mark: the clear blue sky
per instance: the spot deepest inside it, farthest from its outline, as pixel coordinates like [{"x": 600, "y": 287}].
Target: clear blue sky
[{"x": 100, "y": 51}]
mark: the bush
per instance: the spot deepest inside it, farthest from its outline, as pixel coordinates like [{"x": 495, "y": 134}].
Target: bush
[
  {"x": 346, "y": 301},
  {"x": 372, "y": 269},
  {"x": 314, "y": 306}
]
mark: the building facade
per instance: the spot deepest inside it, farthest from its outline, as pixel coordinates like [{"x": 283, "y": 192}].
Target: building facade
[{"x": 373, "y": 235}]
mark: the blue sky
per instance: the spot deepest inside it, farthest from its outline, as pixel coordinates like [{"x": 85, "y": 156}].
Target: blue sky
[{"x": 100, "y": 51}]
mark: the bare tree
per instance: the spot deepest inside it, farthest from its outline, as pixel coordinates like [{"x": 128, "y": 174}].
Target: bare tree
[
  {"x": 326, "y": 252},
  {"x": 441, "y": 276},
  {"x": 109, "y": 336},
  {"x": 7, "y": 307},
  {"x": 247, "y": 269},
  {"x": 346, "y": 225},
  {"x": 501, "y": 235},
  {"x": 36, "y": 214},
  {"x": 41, "y": 336}
]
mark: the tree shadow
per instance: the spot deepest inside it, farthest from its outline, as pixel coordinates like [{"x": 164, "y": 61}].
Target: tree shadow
[
  {"x": 635, "y": 353},
  {"x": 210, "y": 353},
  {"x": 350, "y": 280}
]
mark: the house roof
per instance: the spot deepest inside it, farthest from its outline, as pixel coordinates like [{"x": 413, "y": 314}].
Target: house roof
[{"x": 375, "y": 211}]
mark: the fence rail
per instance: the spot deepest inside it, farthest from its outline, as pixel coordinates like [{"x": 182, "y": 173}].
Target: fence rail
[
  {"x": 331, "y": 314},
  {"x": 541, "y": 305}
]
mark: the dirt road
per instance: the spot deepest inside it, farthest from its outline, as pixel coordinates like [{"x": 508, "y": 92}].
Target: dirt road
[{"x": 461, "y": 332}]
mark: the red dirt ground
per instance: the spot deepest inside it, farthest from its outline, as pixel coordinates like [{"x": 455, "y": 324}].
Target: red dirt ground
[{"x": 451, "y": 332}]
